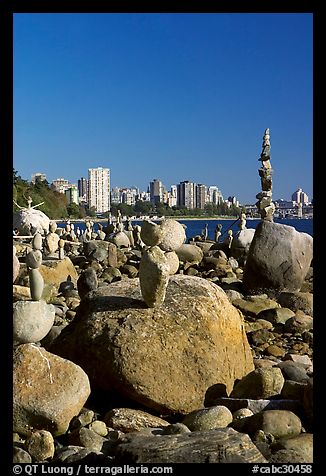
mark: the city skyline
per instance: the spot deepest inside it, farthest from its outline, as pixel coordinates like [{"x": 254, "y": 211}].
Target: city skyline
[
  {"x": 172, "y": 96},
  {"x": 168, "y": 187}
]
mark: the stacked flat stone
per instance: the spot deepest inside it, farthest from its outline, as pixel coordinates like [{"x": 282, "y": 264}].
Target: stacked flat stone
[
  {"x": 32, "y": 320},
  {"x": 51, "y": 242},
  {"x": 160, "y": 259},
  {"x": 265, "y": 205}
]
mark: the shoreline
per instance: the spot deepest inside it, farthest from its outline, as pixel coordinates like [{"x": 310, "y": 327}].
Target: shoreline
[{"x": 100, "y": 220}]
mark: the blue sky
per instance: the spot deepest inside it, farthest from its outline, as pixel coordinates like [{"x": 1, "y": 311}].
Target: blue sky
[{"x": 171, "y": 96}]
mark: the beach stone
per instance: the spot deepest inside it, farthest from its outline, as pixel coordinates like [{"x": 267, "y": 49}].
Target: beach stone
[
  {"x": 55, "y": 271},
  {"x": 241, "y": 243},
  {"x": 87, "y": 282},
  {"x": 303, "y": 444},
  {"x": 208, "y": 418},
  {"x": 279, "y": 423},
  {"x": 299, "y": 323},
  {"x": 261, "y": 383},
  {"x": 99, "y": 427},
  {"x": 47, "y": 390},
  {"x": 175, "y": 429},
  {"x": 297, "y": 301},
  {"x": 233, "y": 295},
  {"x": 189, "y": 255},
  {"x": 193, "y": 341},
  {"x": 101, "y": 250},
  {"x": 278, "y": 315},
  {"x": 278, "y": 259},
  {"x": 130, "y": 270},
  {"x": 256, "y": 406},
  {"x": 154, "y": 273},
  {"x": 304, "y": 360},
  {"x": 253, "y": 306},
  {"x": 86, "y": 438},
  {"x": 223, "y": 445},
  {"x": 293, "y": 390},
  {"x": 111, "y": 274},
  {"x": 293, "y": 371},
  {"x": 40, "y": 445},
  {"x": 260, "y": 336},
  {"x": 288, "y": 456},
  {"x": 120, "y": 239},
  {"x": 26, "y": 218},
  {"x": 242, "y": 413},
  {"x": 15, "y": 265},
  {"x": 264, "y": 362},
  {"x": 174, "y": 235},
  {"x": 275, "y": 351},
  {"x": 129, "y": 420},
  {"x": 151, "y": 233},
  {"x": 84, "y": 418},
  {"x": 34, "y": 259},
  {"x": 36, "y": 284},
  {"x": 21, "y": 456},
  {"x": 32, "y": 320},
  {"x": 173, "y": 261}
]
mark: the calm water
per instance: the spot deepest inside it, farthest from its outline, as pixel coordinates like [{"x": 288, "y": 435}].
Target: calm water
[{"x": 195, "y": 227}]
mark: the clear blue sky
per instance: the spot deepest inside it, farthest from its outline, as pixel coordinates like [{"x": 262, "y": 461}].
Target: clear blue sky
[{"x": 171, "y": 96}]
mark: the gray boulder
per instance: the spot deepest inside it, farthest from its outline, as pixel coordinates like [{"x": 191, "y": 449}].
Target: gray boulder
[
  {"x": 31, "y": 220},
  {"x": 241, "y": 243},
  {"x": 278, "y": 260},
  {"x": 210, "y": 446},
  {"x": 32, "y": 320}
]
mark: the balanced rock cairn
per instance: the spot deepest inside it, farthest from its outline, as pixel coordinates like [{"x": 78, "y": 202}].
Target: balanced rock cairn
[
  {"x": 158, "y": 258},
  {"x": 265, "y": 205}
]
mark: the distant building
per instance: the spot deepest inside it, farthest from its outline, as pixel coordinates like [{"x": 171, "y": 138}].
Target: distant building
[
  {"x": 82, "y": 189},
  {"x": 38, "y": 177},
  {"x": 201, "y": 193},
  {"x": 299, "y": 196},
  {"x": 60, "y": 185},
  {"x": 186, "y": 195},
  {"x": 156, "y": 189},
  {"x": 172, "y": 196},
  {"x": 72, "y": 194},
  {"x": 214, "y": 195},
  {"x": 99, "y": 189},
  {"x": 232, "y": 201}
]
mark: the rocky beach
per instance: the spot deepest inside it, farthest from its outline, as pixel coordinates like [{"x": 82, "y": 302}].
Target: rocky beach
[{"x": 132, "y": 345}]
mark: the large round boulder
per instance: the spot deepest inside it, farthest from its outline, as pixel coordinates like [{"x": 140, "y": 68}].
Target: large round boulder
[
  {"x": 31, "y": 220},
  {"x": 48, "y": 391},
  {"x": 278, "y": 260},
  {"x": 165, "y": 358}
]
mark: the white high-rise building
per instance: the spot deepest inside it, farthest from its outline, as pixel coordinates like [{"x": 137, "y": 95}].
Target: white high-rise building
[
  {"x": 99, "y": 189},
  {"x": 299, "y": 196}
]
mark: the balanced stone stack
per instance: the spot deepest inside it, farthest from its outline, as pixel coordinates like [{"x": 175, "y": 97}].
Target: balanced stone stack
[{"x": 159, "y": 260}]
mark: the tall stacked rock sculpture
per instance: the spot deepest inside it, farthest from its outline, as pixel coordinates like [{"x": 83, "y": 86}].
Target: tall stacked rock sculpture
[
  {"x": 51, "y": 242},
  {"x": 279, "y": 256},
  {"x": 265, "y": 205},
  {"x": 33, "y": 262},
  {"x": 32, "y": 320},
  {"x": 156, "y": 263}
]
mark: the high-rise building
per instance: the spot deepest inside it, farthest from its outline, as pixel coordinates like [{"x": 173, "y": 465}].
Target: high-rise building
[
  {"x": 214, "y": 195},
  {"x": 201, "y": 191},
  {"x": 60, "y": 185},
  {"x": 72, "y": 194},
  {"x": 156, "y": 189},
  {"x": 82, "y": 188},
  {"x": 299, "y": 196},
  {"x": 186, "y": 195},
  {"x": 99, "y": 189},
  {"x": 38, "y": 177}
]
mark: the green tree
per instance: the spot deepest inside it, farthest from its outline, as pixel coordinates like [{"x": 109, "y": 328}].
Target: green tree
[{"x": 73, "y": 210}]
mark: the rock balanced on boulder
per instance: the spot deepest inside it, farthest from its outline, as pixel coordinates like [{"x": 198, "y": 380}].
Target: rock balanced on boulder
[{"x": 157, "y": 262}]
